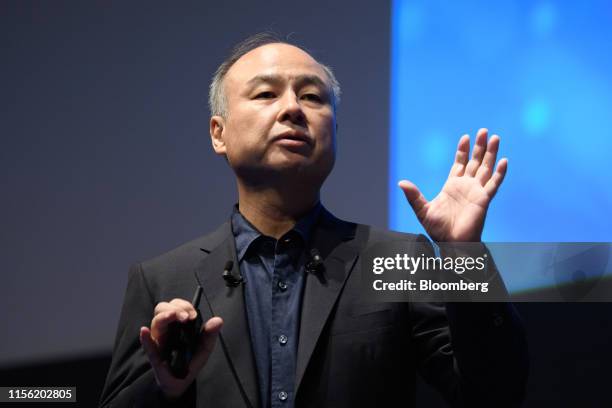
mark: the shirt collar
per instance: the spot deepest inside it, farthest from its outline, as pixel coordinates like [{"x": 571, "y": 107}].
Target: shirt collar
[{"x": 245, "y": 233}]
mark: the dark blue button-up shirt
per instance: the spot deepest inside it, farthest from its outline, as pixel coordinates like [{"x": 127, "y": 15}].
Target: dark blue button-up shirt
[{"x": 274, "y": 274}]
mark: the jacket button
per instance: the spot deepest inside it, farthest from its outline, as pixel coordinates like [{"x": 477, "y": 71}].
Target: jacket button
[{"x": 282, "y": 396}]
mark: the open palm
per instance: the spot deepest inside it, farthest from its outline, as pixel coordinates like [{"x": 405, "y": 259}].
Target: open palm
[{"x": 458, "y": 212}]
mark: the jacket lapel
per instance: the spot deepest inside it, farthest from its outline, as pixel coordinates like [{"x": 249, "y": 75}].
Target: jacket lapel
[
  {"x": 334, "y": 239},
  {"x": 228, "y": 303},
  {"x": 336, "y": 242}
]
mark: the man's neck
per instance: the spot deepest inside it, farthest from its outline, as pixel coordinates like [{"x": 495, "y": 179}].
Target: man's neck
[{"x": 272, "y": 211}]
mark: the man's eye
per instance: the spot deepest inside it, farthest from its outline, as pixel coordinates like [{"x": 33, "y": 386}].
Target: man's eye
[
  {"x": 312, "y": 97},
  {"x": 265, "y": 95}
]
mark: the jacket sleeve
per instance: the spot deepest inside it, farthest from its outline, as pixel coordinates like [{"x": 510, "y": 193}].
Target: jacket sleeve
[
  {"x": 474, "y": 353},
  {"x": 130, "y": 381}
]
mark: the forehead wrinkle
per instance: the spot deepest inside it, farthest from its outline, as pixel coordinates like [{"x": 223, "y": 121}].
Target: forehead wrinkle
[
  {"x": 310, "y": 79},
  {"x": 299, "y": 80},
  {"x": 265, "y": 78}
]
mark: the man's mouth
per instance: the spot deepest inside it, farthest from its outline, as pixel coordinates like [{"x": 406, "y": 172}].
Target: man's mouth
[{"x": 293, "y": 138}]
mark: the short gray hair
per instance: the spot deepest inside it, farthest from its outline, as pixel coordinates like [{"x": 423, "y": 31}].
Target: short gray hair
[{"x": 217, "y": 101}]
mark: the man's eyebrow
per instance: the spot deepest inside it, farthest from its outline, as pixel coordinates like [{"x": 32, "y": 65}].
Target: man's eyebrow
[{"x": 300, "y": 80}]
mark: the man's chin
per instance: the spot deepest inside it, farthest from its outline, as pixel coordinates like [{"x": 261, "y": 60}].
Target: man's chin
[
  {"x": 291, "y": 168},
  {"x": 280, "y": 173},
  {"x": 289, "y": 161}
]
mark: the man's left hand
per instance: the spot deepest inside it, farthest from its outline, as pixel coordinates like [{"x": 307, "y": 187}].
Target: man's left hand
[{"x": 458, "y": 212}]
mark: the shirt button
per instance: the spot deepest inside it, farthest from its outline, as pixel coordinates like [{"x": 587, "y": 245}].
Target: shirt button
[
  {"x": 282, "y": 396},
  {"x": 282, "y": 286},
  {"x": 498, "y": 320},
  {"x": 282, "y": 339}
]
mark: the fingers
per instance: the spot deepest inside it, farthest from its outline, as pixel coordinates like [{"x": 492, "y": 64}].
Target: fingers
[
  {"x": 176, "y": 304},
  {"x": 480, "y": 146},
  {"x": 483, "y": 174},
  {"x": 150, "y": 348},
  {"x": 166, "y": 313},
  {"x": 208, "y": 338},
  {"x": 414, "y": 196},
  {"x": 495, "y": 181},
  {"x": 461, "y": 157},
  {"x": 483, "y": 158},
  {"x": 161, "y": 322}
]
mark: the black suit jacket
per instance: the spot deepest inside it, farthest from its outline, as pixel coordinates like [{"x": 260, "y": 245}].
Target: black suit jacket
[{"x": 350, "y": 353}]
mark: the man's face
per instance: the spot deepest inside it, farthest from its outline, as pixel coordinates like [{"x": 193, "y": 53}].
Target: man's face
[{"x": 280, "y": 117}]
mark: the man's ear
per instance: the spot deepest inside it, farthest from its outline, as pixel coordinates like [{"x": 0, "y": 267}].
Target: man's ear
[{"x": 217, "y": 127}]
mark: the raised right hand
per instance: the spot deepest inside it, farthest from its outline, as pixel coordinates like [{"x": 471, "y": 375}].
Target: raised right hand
[{"x": 153, "y": 341}]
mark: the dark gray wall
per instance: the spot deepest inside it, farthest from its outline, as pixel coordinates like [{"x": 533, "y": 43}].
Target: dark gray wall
[{"x": 105, "y": 154}]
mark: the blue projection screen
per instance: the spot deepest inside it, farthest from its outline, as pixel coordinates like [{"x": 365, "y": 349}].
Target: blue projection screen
[{"x": 536, "y": 73}]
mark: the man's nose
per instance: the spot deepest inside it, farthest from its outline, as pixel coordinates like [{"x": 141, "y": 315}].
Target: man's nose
[{"x": 291, "y": 110}]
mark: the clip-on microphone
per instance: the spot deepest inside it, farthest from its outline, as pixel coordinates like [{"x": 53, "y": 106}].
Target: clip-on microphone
[
  {"x": 182, "y": 340},
  {"x": 315, "y": 264},
  {"x": 231, "y": 281}
]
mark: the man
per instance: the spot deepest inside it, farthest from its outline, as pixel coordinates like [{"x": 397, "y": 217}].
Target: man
[{"x": 296, "y": 332}]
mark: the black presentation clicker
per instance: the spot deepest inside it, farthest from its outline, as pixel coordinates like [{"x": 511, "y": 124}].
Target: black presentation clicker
[{"x": 182, "y": 340}]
